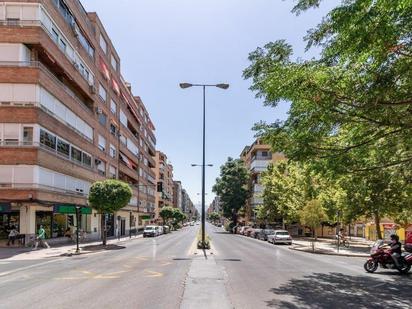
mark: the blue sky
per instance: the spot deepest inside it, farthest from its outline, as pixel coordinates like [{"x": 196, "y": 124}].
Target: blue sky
[{"x": 164, "y": 42}]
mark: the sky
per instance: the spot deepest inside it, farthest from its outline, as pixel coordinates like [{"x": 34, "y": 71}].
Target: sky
[{"x": 162, "y": 43}]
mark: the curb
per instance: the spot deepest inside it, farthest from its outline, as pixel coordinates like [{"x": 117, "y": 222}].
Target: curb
[{"x": 331, "y": 253}]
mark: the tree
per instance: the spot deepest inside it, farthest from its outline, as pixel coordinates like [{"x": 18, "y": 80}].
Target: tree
[
  {"x": 109, "y": 196},
  {"x": 214, "y": 216},
  {"x": 178, "y": 217},
  {"x": 166, "y": 213},
  {"x": 312, "y": 215},
  {"x": 355, "y": 99},
  {"x": 350, "y": 117},
  {"x": 232, "y": 187}
]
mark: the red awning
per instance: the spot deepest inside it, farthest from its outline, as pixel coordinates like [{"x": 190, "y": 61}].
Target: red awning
[{"x": 103, "y": 68}]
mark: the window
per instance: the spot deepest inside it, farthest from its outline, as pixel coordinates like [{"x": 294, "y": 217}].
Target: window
[
  {"x": 47, "y": 139},
  {"x": 103, "y": 44},
  {"x": 114, "y": 63},
  {"x": 63, "y": 148},
  {"x": 102, "y": 93},
  {"x": 123, "y": 139},
  {"x": 102, "y": 143},
  {"x": 62, "y": 45},
  {"x": 123, "y": 118},
  {"x": 264, "y": 153},
  {"x": 55, "y": 35},
  {"x": 113, "y": 129},
  {"x": 102, "y": 119},
  {"x": 87, "y": 159},
  {"x": 101, "y": 168},
  {"x": 113, "y": 107},
  {"x": 27, "y": 135},
  {"x": 112, "y": 151},
  {"x": 112, "y": 171},
  {"x": 76, "y": 155}
]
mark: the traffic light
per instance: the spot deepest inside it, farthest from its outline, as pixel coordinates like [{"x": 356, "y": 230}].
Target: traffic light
[{"x": 160, "y": 186}]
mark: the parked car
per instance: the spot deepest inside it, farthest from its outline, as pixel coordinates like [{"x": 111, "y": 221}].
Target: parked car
[
  {"x": 241, "y": 230},
  {"x": 249, "y": 231},
  {"x": 151, "y": 231},
  {"x": 263, "y": 235},
  {"x": 255, "y": 232},
  {"x": 280, "y": 236}
]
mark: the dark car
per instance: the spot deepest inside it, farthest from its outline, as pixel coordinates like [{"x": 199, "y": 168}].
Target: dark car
[{"x": 263, "y": 235}]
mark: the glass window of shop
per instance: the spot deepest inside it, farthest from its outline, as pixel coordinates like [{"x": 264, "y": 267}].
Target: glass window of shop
[{"x": 7, "y": 221}]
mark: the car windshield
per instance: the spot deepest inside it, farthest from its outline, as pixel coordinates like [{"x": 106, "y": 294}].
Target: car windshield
[
  {"x": 282, "y": 233},
  {"x": 269, "y": 231},
  {"x": 149, "y": 228}
]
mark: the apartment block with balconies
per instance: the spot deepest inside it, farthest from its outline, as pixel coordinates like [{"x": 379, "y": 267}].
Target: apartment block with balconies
[
  {"x": 67, "y": 118},
  {"x": 164, "y": 178},
  {"x": 257, "y": 158}
]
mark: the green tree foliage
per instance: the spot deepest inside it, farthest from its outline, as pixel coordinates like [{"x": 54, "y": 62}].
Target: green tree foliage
[
  {"x": 214, "y": 217},
  {"x": 109, "y": 196},
  {"x": 232, "y": 187},
  {"x": 166, "y": 213},
  {"x": 350, "y": 118},
  {"x": 178, "y": 217},
  {"x": 312, "y": 215}
]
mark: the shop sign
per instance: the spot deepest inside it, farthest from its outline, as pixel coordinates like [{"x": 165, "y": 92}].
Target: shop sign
[
  {"x": 5, "y": 207},
  {"x": 70, "y": 209},
  {"x": 145, "y": 217}
]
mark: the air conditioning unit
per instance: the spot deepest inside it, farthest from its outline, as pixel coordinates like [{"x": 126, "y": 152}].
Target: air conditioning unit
[
  {"x": 97, "y": 161},
  {"x": 99, "y": 110},
  {"x": 76, "y": 65},
  {"x": 93, "y": 89}
]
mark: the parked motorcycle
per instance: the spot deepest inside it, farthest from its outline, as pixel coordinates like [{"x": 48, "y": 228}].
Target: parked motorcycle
[{"x": 381, "y": 255}]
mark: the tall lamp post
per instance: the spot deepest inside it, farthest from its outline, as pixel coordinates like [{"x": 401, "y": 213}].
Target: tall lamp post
[{"x": 221, "y": 86}]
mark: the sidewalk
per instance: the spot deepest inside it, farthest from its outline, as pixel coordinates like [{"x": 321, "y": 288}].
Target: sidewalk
[
  {"x": 359, "y": 247},
  {"x": 205, "y": 283},
  {"x": 18, "y": 253}
]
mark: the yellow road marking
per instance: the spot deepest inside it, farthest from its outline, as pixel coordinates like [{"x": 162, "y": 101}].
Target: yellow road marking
[{"x": 152, "y": 274}]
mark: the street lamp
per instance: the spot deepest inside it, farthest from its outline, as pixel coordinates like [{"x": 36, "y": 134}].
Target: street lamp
[{"x": 221, "y": 86}]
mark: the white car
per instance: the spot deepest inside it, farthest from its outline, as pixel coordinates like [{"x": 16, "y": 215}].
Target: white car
[
  {"x": 280, "y": 236},
  {"x": 151, "y": 231}
]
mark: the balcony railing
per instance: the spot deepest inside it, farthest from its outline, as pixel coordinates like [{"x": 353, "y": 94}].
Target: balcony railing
[
  {"x": 29, "y": 144},
  {"x": 259, "y": 165},
  {"x": 45, "y": 70},
  {"x": 36, "y": 186}
]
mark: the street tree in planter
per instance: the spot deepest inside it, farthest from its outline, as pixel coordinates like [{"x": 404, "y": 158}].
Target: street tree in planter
[
  {"x": 107, "y": 197},
  {"x": 312, "y": 215},
  {"x": 178, "y": 217},
  {"x": 232, "y": 187},
  {"x": 166, "y": 213}
]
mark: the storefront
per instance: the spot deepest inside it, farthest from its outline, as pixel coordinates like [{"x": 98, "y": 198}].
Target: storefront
[
  {"x": 9, "y": 218},
  {"x": 62, "y": 218}
]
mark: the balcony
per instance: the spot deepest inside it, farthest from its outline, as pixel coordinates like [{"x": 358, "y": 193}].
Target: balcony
[
  {"x": 259, "y": 165},
  {"x": 257, "y": 188}
]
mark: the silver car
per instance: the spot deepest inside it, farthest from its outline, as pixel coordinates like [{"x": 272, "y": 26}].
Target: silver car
[{"x": 280, "y": 236}]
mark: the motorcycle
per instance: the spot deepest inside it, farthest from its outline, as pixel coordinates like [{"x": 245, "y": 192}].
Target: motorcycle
[{"x": 381, "y": 255}]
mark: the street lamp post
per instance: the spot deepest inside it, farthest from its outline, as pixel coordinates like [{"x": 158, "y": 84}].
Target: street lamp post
[{"x": 221, "y": 86}]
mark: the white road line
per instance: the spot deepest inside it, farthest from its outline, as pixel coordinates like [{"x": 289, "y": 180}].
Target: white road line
[{"x": 27, "y": 267}]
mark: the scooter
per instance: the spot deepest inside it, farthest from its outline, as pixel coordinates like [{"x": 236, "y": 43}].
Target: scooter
[{"x": 381, "y": 255}]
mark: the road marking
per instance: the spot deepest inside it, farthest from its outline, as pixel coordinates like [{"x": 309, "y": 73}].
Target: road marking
[
  {"x": 152, "y": 274},
  {"x": 166, "y": 263},
  {"x": 27, "y": 267}
]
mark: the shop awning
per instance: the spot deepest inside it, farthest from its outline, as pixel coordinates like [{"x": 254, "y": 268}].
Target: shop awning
[{"x": 70, "y": 209}]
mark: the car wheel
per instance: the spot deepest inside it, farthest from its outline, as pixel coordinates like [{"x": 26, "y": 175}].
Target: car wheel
[{"x": 289, "y": 243}]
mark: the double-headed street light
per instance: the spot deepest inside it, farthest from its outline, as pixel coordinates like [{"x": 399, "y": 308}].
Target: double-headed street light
[{"x": 221, "y": 86}]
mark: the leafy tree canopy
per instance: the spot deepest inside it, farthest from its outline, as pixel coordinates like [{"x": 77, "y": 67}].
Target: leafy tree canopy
[
  {"x": 232, "y": 188},
  {"x": 109, "y": 195},
  {"x": 351, "y": 108}
]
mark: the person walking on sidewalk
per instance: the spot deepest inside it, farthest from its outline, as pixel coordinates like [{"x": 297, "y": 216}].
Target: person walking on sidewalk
[
  {"x": 41, "y": 237},
  {"x": 12, "y": 235}
]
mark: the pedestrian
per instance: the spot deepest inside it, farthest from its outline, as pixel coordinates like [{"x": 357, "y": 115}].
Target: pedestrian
[
  {"x": 12, "y": 235},
  {"x": 41, "y": 237}
]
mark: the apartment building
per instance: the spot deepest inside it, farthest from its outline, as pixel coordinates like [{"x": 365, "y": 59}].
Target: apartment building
[
  {"x": 177, "y": 194},
  {"x": 188, "y": 207},
  {"x": 67, "y": 118},
  {"x": 257, "y": 157},
  {"x": 215, "y": 206},
  {"x": 164, "y": 178}
]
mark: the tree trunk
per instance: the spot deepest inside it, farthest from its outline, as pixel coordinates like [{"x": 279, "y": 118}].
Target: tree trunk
[{"x": 378, "y": 225}]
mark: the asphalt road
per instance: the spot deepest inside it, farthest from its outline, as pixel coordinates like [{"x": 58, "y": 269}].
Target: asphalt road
[
  {"x": 148, "y": 273},
  {"x": 262, "y": 275}
]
